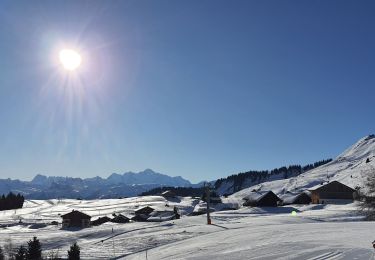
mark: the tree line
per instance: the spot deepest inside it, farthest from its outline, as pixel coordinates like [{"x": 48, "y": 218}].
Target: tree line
[
  {"x": 33, "y": 251},
  {"x": 11, "y": 201},
  {"x": 262, "y": 176},
  {"x": 240, "y": 178}
]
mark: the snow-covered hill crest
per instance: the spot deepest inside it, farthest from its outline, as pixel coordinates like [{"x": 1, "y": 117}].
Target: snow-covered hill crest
[{"x": 351, "y": 168}]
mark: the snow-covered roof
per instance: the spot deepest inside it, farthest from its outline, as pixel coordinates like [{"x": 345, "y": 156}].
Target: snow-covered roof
[
  {"x": 77, "y": 214},
  {"x": 257, "y": 195},
  {"x": 290, "y": 198},
  {"x": 319, "y": 186}
]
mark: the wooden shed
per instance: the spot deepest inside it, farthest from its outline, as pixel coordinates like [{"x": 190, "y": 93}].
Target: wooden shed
[
  {"x": 296, "y": 198},
  {"x": 261, "y": 199},
  {"x": 100, "y": 220},
  {"x": 140, "y": 217},
  {"x": 331, "y": 192},
  {"x": 76, "y": 219},
  {"x": 120, "y": 219},
  {"x": 145, "y": 210}
]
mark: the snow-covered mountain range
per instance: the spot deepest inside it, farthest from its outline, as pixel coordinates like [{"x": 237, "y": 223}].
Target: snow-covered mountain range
[
  {"x": 349, "y": 168},
  {"x": 116, "y": 185}
]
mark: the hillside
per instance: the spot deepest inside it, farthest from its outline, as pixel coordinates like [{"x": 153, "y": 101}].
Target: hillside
[
  {"x": 350, "y": 167},
  {"x": 237, "y": 182}
]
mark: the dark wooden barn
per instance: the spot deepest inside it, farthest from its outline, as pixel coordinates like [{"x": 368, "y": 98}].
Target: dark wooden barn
[
  {"x": 296, "y": 198},
  {"x": 145, "y": 210},
  {"x": 331, "y": 192},
  {"x": 140, "y": 217},
  {"x": 100, "y": 221},
  {"x": 120, "y": 219},
  {"x": 76, "y": 219},
  {"x": 262, "y": 199}
]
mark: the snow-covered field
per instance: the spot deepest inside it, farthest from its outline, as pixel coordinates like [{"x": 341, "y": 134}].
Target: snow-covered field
[
  {"x": 313, "y": 232},
  {"x": 302, "y": 232}
]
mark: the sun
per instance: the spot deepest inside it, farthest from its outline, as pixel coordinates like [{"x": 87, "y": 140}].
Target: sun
[{"x": 70, "y": 59}]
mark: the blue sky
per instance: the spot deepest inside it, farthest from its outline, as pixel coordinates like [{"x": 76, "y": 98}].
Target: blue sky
[{"x": 201, "y": 89}]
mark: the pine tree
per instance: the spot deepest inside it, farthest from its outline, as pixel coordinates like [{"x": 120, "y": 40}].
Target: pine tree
[
  {"x": 21, "y": 253},
  {"x": 74, "y": 252},
  {"x": 34, "y": 251},
  {"x": 1, "y": 254}
]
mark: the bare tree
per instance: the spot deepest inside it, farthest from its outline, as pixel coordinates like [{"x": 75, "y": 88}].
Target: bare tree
[
  {"x": 53, "y": 254},
  {"x": 368, "y": 195},
  {"x": 9, "y": 250}
]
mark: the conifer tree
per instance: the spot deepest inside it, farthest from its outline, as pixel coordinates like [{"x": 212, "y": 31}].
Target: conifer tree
[
  {"x": 21, "y": 253},
  {"x": 74, "y": 252},
  {"x": 34, "y": 251}
]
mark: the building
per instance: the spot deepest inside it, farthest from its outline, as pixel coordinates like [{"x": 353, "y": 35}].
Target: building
[
  {"x": 140, "y": 218},
  {"x": 76, "y": 219},
  {"x": 262, "y": 199},
  {"x": 332, "y": 192},
  {"x": 142, "y": 214},
  {"x": 159, "y": 216},
  {"x": 145, "y": 210},
  {"x": 100, "y": 221},
  {"x": 296, "y": 198},
  {"x": 168, "y": 194},
  {"x": 120, "y": 219}
]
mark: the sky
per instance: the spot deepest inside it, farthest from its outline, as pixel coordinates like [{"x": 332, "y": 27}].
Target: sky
[{"x": 199, "y": 89}]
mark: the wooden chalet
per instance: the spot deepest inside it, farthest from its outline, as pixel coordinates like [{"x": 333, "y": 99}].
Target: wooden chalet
[
  {"x": 140, "y": 218},
  {"x": 145, "y": 210},
  {"x": 262, "y": 199},
  {"x": 296, "y": 198},
  {"x": 76, "y": 219},
  {"x": 332, "y": 192},
  {"x": 120, "y": 219},
  {"x": 100, "y": 220}
]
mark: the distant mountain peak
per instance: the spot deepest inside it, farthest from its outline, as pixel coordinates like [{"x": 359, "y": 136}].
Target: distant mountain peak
[{"x": 39, "y": 179}]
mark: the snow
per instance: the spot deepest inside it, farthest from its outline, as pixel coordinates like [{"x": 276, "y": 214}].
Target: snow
[
  {"x": 315, "y": 232},
  {"x": 349, "y": 168},
  {"x": 331, "y": 231}
]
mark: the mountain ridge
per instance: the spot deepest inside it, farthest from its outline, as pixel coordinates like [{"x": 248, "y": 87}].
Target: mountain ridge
[
  {"x": 115, "y": 185},
  {"x": 354, "y": 160}
]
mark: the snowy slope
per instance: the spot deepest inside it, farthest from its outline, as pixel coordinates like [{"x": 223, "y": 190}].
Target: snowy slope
[
  {"x": 349, "y": 168},
  {"x": 247, "y": 233}
]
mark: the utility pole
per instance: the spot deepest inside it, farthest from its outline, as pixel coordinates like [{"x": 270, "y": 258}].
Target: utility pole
[{"x": 207, "y": 186}]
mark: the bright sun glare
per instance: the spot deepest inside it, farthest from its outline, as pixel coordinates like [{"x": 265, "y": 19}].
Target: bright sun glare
[{"x": 70, "y": 59}]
